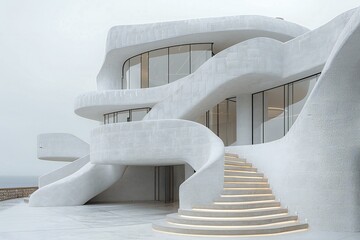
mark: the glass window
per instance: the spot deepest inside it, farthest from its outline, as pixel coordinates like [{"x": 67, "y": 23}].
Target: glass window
[
  {"x": 213, "y": 120},
  {"x": 158, "y": 67},
  {"x": 126, "y": 78},
  {"x": 300, "y": 92},
  {"x": 274, "y": 125},
  {"x": 222, "y": 120},
  {"x": 138, "y": 114},
  {"x": 135, "y": 72},
  {"x": 179, "y": 62},
  {"x": 145, "y": 70},
  {"x": 200, "y": 53},
  {"x": 258, "y": 118},
  {"x": 231, "y": 121},
  {"x": 202, "y": 119}
]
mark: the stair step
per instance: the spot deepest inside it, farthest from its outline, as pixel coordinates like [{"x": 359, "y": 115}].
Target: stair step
[
  {"x": 229, "y": 198},
  {"x": 246, "y": 185},
  {"x": 231, "y": 155},
  {"x": 179, "y": 219},
  {"x": 233, "y": 191},
  {"x": 235, "y": 159},
  {"x": 240, "y": 168},
  {"x": 233, "y": 163},
  {"x": 237, "y": 206},
  {"x": 244, "y": 179},
  {"x": 243, "y": 174},
  {"x": 233, "y": 214},
  {"x": 225, "y": 231}
]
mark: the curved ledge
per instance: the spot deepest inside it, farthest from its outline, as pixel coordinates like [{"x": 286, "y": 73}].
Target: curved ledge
[
  {"x": 61, "y": 147},
  {"x": 254, "y": 65},
  {"x": 185, "y": 141},
  {"x": 127, "y": 41}
]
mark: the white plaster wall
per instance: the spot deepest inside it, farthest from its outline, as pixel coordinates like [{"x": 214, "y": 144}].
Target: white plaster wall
[
  {"x": 315, "y": 168},
  {"x": 61, "y": 147},
  {"x": 77, "y": 188},
  {"x": 165, "y": 142}
]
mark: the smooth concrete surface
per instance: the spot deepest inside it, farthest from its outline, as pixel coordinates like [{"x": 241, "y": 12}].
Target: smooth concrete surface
[
  {"x": 111, "y": 222},
  {"x": 62, "y": 172},
  {"x": 77, "y": 188},
  {"x": 61, "y": 147}
]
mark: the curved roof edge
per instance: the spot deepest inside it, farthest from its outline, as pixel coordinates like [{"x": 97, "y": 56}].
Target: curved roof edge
[{"x": 126, "y": 41}]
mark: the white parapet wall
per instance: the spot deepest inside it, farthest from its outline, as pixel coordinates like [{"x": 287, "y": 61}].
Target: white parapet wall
[
  {"x": 61, "y": 147},
  {"x": 165, "y": 142}
]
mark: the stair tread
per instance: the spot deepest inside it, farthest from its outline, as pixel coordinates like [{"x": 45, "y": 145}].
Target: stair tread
[
  {"x": 222, "y": 230},
  {"x": 230, "y": 198},
  {"x": 230, "y": 221},
  {"x": 219, "y": 213},
  {"x": 247, "y": 206}
]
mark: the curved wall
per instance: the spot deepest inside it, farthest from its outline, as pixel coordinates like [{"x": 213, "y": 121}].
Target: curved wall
[{"x": 315, "y": 168}]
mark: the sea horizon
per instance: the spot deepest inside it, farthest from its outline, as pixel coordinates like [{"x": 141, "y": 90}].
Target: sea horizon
[{"x": 18, "y": 181}]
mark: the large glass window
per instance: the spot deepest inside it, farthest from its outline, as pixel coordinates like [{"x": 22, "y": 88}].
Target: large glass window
[
  {"x": 221, "y": 119},
  {"x": 200, "y": 53},
  {"x": 275, "y": 110},
  {"x": 126, "y": 116},
  {"x": 165, "y": 65},
  {"x": 158, "y": 67},
  {"x": 274, "y": 125},
  {"x": 135, "y": 72},
  {"x": 179, "y": 62},
  {"x": 300, "y": 92}
]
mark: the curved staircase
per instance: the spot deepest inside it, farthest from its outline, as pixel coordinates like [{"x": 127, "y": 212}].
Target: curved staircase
[{"x": 245, "y": 207}]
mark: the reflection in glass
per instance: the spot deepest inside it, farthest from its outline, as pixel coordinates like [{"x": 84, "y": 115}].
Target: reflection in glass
[
  {"x": 213, "y": 120},
  {"x": 135, "y": 72},
  {"x": 300, "y": 92},
  {"x": 158, "y": 67},
  {"x": 138, "y": 114},
  {"x": 179, "y": 62},
  {"x": 165, "y": 65},
  {"x": 126, "y": 79},
  {"x": 145, "y": 70},
  {"x": 275, "y": 121},
  {"x": 231, "y": 121},
  {"x": 200, "y": 53},
  {"x": 274, "y": 114}
]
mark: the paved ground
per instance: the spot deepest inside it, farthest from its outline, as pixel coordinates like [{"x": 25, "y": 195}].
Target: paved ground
[{"x": 108, "y": 222}]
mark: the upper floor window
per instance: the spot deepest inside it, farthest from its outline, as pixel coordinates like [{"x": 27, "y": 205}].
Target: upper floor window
[{"x": 165, "y": 65}]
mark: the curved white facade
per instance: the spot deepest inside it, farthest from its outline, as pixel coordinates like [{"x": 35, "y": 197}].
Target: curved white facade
[{"x": 313, "y": 169}]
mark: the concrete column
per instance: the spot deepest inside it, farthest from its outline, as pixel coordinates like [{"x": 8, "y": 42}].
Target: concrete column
[{"x": 243, "y": 119}]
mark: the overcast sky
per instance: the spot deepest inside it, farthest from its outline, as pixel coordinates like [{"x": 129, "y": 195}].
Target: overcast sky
[{"x": 52, "y": 50}]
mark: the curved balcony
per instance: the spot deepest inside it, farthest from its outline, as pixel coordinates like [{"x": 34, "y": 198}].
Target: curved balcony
[
  {"x": 261, "y": 63},
  {"x": 61, "y": 147},
  {"x": 124, "y": 42}
]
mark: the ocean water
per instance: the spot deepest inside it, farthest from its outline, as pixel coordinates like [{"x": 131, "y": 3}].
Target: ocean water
[{"x": 18, "y": 181}]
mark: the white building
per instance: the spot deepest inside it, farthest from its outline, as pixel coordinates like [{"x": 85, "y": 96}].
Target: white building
[{"x": 174, "y": 97}]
